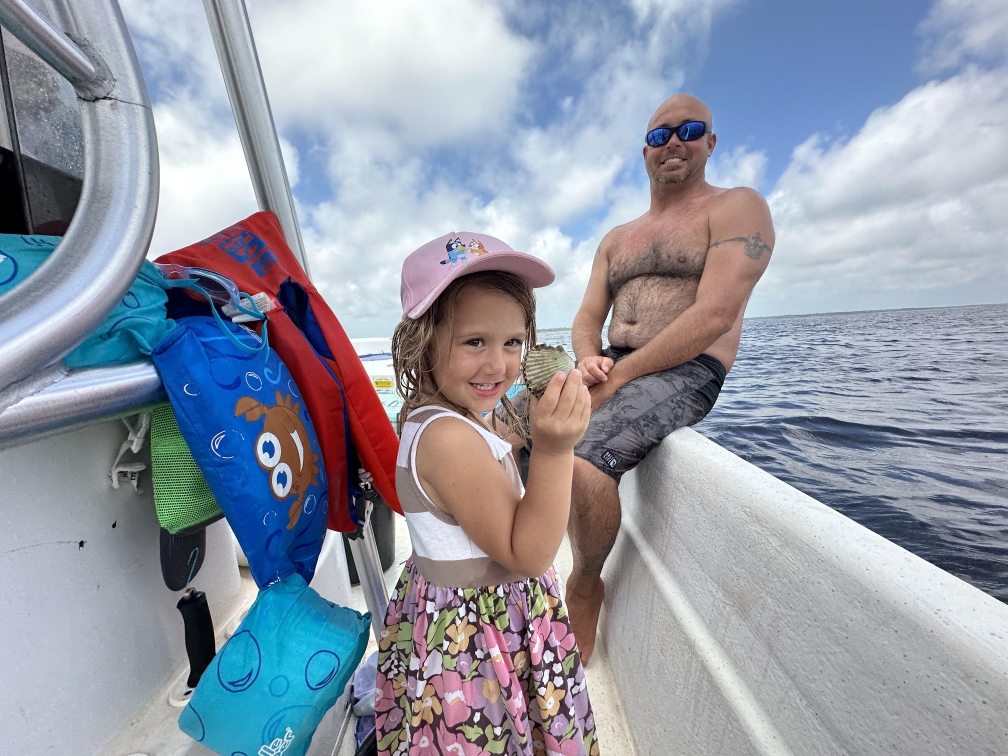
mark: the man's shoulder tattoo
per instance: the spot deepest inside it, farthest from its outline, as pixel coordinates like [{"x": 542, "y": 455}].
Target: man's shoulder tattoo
[{"x": 754, "y": 245}]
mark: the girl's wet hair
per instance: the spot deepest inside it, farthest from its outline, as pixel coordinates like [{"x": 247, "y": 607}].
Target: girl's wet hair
[{"x": 414, "y": 345}]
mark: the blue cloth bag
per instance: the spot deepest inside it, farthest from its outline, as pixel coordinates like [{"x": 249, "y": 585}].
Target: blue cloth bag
[
  {"x": 269, "y": 686},
  {"x": 241, "y": 414},
  {"x": 134, "y": 327}
]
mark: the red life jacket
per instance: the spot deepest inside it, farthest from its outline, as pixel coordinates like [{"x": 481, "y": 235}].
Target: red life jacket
[{"x": 313, "y": 345}]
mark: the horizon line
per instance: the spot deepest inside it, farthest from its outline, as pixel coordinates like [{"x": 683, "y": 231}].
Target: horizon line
[{"x": 829, "y": 312}]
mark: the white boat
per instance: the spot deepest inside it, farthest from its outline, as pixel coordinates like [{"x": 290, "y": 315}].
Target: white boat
[{"x": 741, "y": 615}]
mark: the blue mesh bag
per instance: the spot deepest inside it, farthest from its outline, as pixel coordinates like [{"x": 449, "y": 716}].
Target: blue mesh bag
[
  {"x": 269, "y": 686},
  {"x": 240, "y": 412}
]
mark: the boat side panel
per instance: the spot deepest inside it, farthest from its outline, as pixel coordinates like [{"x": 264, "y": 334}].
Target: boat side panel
[
  {"x": 89, "y": 630},
  {"x": 774, "y": 619}
]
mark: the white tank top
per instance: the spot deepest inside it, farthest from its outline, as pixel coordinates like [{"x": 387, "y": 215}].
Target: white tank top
[{"x": 442, "y": 551}]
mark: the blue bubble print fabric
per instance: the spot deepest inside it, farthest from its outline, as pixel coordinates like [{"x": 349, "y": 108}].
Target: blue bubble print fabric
[{"x": 269, "y": 686}]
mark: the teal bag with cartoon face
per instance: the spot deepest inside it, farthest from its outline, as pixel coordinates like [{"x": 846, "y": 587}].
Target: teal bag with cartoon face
[{"x": 129, "y": 333}]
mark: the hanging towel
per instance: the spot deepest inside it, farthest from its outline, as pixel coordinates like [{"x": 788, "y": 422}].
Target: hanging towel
[{"x": 135, "y": 326}]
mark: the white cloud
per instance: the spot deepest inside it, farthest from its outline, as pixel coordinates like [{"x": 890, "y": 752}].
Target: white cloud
[
  {"x": 737, "y": 167},
  {"x": 524, "y": 120},
  {"x": 175, "y": 50},
  {"x": 422, "y": 119},
  {"x": 958, "y": 32},
  {"x": 205, "y": 183},
  {"x": 426, "y": 72},
  {"x": 908, "y": 212}
]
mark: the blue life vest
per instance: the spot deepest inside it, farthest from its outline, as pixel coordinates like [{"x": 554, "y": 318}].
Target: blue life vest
[{"x": 242, "y": 415}]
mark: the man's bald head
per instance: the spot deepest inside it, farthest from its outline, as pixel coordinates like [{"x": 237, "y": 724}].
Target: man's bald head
[
  {"x": 680, "y": 108},
  {"x": 679, "y": 162}
]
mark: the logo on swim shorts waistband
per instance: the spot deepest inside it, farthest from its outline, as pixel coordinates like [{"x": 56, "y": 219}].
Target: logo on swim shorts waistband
[{"x": 609, "y": 458}]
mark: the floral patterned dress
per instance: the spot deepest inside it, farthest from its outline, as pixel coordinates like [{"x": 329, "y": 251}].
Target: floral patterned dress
[{"x": 477, "y": 669}]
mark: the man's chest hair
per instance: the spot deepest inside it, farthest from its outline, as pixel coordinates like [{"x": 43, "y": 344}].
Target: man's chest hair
[{"x": 671, "y": 250}]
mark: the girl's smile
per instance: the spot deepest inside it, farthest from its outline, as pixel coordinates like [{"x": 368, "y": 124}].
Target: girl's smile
[
  {"x": 487, "y": 390},
  {"x": 478, "y": 351}
]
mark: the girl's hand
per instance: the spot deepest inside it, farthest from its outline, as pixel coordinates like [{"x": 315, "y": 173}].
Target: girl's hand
[{"x": 560, "y": 417}]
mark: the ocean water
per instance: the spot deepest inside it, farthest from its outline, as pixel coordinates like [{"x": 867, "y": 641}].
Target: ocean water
[{"x": 898, "y": 419}]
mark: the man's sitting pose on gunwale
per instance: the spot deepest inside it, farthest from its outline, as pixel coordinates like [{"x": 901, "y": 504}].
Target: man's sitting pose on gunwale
[{"x": 677, "y": 280}]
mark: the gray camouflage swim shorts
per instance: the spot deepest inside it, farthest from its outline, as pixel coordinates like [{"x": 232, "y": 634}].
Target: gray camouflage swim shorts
[{"x": 640, "y": 414}]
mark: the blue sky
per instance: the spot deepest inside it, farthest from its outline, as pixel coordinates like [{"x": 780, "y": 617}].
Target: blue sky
[
  {"x": 776, "y": 72},
  {"x": 877, "y": 132}
]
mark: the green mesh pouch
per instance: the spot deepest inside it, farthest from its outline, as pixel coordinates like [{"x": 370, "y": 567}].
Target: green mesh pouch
[{"x": 181, "y": 496}]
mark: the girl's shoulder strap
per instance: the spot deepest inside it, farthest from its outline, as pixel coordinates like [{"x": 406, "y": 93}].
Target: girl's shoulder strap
[
  {"x": 415, "y": 424},
  {"x": 420, "y": 418}
]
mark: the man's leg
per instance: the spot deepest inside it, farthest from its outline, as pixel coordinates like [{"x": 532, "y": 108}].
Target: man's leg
[
  {"x": 593, "y": 526},
  {"x": 621, "y": 432}
]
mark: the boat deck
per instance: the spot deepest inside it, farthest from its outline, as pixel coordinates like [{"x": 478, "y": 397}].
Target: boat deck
[{"x": 155, "y": 732}]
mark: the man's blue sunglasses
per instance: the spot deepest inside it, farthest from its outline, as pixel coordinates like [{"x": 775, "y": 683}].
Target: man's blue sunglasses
[{"x": 687, "y": 132}]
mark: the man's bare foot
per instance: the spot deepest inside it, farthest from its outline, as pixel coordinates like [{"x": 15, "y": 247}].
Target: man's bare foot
[{"x": 584, "y": 602}]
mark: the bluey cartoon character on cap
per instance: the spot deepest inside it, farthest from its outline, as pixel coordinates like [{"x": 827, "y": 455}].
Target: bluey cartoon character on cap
[{"x": 456, "y": 252}]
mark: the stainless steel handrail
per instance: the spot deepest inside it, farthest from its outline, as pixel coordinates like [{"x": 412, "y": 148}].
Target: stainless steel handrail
[
  {"x": 239, "y": 62},
  {"x": 55, "y": 308},
  {"x": 48, "y": 42},
  {"x": 369, "y": 572},
  {"x": 232, "y": 35},
  {"x": 83, "y": 398}
]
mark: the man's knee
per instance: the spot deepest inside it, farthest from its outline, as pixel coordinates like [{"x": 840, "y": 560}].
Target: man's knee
[
  {"x": 594, "y": 518},
  {"x": 592, "y": 488}
]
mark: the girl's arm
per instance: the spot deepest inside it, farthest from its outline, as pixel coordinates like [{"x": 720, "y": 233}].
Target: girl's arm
[{"x": 462, "y": 477}]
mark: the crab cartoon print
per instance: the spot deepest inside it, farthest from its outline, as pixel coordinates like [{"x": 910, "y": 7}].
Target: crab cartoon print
[
  {"x": 456, "y": 252},
  {"x": 283, "y": 450}
]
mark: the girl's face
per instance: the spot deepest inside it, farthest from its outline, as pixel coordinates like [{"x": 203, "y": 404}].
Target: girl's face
[{"x": 477, "y": 357}]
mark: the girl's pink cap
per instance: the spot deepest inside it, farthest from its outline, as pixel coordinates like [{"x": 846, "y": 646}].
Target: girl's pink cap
[{"x": 428, "y": 271}]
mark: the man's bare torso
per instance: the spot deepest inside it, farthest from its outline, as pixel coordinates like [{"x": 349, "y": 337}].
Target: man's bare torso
[{"x": 655, "y": 264}]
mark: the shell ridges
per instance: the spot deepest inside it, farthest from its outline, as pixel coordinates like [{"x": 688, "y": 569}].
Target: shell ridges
[{"x": 541, "y": 363}]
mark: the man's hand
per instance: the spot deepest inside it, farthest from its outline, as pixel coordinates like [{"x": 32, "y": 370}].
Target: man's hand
[{"x": 595, "y": 370}]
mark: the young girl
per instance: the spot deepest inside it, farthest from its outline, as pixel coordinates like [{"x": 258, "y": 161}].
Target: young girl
[{"x": 477, "y": 656}]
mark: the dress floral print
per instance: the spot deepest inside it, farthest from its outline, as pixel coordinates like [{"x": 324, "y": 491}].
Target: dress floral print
[{"x": 481, "y": 671}]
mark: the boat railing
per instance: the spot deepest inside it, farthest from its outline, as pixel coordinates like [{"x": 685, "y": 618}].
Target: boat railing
[
  {"x": 53, "y": 310},
  {"x": 48, "y": 314}
]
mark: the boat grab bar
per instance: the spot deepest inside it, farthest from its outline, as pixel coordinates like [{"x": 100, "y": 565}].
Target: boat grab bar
[
  {"x": 48, "y": 314},
  {"x": 82, "y": 398},
  {"x": 48, "y": 42}
]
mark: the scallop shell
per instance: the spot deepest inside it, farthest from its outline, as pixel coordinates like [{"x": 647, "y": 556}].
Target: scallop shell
[{"x": 541, "y": 363}]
